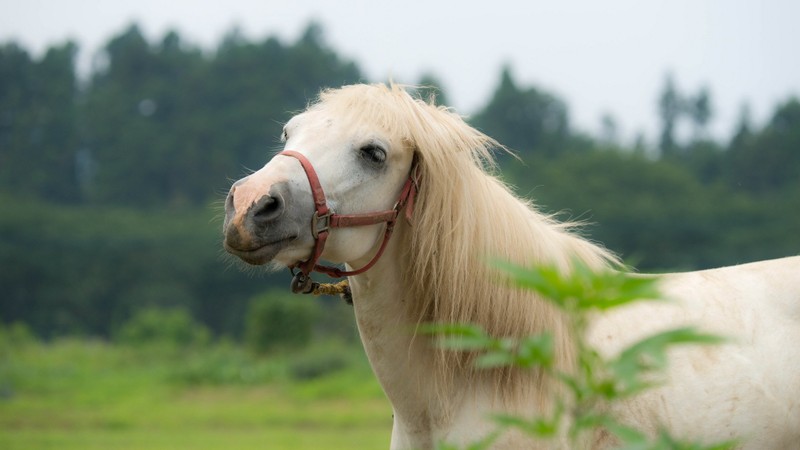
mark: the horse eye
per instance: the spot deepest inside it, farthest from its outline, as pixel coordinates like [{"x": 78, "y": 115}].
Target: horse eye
[{"x": 373, "y": 153}]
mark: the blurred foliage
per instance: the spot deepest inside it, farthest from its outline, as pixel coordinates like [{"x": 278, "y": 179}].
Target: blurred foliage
[
  {"x": 163, "y": 327},
  {"x": 14, "y": 337},
  {"x": 88, "y": 269},
  {"x": 160, "y": 119},
  {"x": 106, "y": 180},
  {"x": 598, "y": 382},
  {"x": 279, "y": 320},
  {"x": 528, "y": 120},
  {"x": 322, "y": 360},
  {"x": 659, "y": 215},
  {"x": 39, "y": 130}
]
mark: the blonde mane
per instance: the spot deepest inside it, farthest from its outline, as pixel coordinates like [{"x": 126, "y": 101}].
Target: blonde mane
[{"x": 465, "y": 216}]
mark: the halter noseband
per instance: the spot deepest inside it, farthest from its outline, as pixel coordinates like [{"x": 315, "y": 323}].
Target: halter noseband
[{"x": 324, "y": 219}]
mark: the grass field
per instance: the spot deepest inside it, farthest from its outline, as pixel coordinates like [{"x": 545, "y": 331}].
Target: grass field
[{"x": 80, "y": 394}]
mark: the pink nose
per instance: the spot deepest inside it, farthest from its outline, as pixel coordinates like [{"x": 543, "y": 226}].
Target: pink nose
[{"x": 244, "y": 222}]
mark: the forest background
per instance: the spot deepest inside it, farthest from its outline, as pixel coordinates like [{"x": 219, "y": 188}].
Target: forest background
[{"x": 110, "y": 185}]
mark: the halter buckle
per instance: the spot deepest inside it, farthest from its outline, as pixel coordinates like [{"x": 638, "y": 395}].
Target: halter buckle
[{"x": 315, "y": 222}]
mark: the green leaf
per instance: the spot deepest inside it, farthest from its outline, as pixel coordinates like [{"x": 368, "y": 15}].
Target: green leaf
[
  {"x": 495, "y": 359},
  {"x": 465, "y": 343},
  {"x": 464, "y": 337},
  {"x": 540, "y": 427},
  {"x": 584, "y": 288},
  {"x": 650, "y": 355},
  {"x": 536, "y": 351},
  {"x": 629, "y": 438},
  {"x": 542, "y": 279},
  {"x": 666, "y": 442}
]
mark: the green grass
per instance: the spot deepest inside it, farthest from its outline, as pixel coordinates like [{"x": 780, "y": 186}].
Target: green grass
[{"x": 78, "y": 394}]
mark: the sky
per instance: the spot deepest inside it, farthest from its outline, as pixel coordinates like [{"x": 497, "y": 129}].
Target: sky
[{"x": 601, "y": 57}]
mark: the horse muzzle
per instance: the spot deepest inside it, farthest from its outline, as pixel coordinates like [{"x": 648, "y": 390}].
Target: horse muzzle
[{"x": 257, "y": 227}]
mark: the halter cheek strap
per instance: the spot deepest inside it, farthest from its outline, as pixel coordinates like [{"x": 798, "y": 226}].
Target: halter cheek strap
[{"x": 324, "y": 219}]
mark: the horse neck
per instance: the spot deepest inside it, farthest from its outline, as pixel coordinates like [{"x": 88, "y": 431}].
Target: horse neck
[
  {"x": 427, "y": 407},
  {"x": 402, "y": 360}
]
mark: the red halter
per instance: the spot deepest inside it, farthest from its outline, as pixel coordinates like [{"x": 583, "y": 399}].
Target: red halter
[{"x": 324, "y": 219}]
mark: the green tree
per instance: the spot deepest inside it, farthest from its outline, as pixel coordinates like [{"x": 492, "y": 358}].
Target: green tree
[
  {"x": 700, "y": 111},
  {"x": 142, "y": 115},
  {"x": 701, "y": 156},
  {"x": 768, "y": 161},
  {"x": 255, "y": 86},
  {"x": 526, "y": 120},
  {"x": 609, "y": 127},
  {"x": 744, "y": 130},
  {"x": 163, "y": 118},
  {"x": 38, "y": 134},
  {"x": 670, "y": 106}
]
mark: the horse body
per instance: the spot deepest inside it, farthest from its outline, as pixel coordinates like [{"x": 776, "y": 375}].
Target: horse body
[
  {"x": 748, "y": 388},
  {"x": 363, "y": 141}
]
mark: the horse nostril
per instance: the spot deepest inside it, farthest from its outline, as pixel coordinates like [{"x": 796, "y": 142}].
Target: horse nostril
[{"x": 267, "y": 209}]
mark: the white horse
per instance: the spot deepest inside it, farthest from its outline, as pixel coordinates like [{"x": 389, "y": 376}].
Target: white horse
[{"x": 364, "y": 155}]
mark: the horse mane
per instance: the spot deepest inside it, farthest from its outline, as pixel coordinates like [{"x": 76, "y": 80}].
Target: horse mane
[{"x": 465, "y": 216}]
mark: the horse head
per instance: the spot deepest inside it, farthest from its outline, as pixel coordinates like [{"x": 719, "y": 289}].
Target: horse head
[{"x": 339, "y": 174}]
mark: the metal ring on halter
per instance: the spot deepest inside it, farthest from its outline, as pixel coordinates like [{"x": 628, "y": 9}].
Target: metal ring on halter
[{"x": 302, "y": 284}]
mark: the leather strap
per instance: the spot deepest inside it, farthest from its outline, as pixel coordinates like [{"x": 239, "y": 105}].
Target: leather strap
[{"x": 330, "y": 220}]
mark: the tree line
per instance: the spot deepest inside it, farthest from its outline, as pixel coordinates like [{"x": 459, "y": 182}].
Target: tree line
[
  {"x": 155, "y": 124},
  {"x": 108, "y": 182}
]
